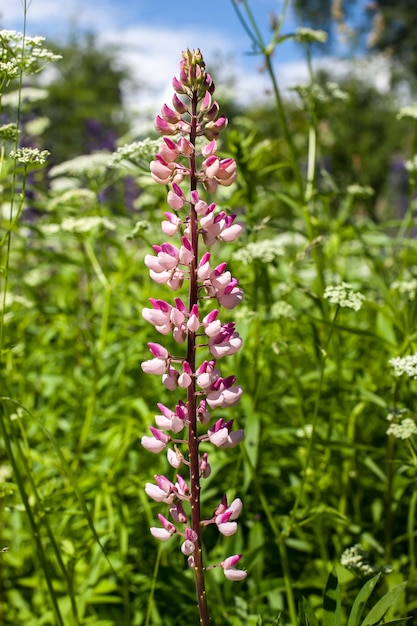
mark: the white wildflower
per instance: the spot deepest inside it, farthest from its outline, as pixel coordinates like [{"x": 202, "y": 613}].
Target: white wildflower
[
  {"x": 306, "y": 431},
  {"x": 405, "y": 365},
  {"x": 50, "y": 229},
  {"x": 356, "y": 559},
  {"x": 266, "y": 251},
  {"x": 137, "y": 152},
  {"x": 411, "y": 165},
  {"x": 245, "y": 314},
  {"x": 90, "y": 165},
  {"x": 26, "y": 94},
  {"x": 404, "y": 430},
  {"x": 8, "y": 132},
  {"x": 282, "y": 309},
  {"x": 408, "y": 111},
  {"x": 30, "y": 155},
  {"x": 344, "y": 296},
  {"x": 23, "y": 53},
  {"x": 290, "y": 239},
  {"x": 12, "y": 299},
  {"x": 37, "y": 126},
  {"x": 321, "y": 94},
  {"x": 309, "y": 35},
  {"x": 406, "y": 287},
  {"x": 360, "y": 191},
  {"x": 86, "y": 224}
]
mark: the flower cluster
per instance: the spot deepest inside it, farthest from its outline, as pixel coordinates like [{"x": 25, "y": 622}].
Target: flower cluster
[
  {"x": 344, "y": 296},
  {"x": 404, "y": 430},
  {"x": 30, "y": 155},
  {"x": 405, "y": 365},
  {"x": 187, "y": 157},
  {"x": 21, "y": 52},
  {"x": 356, "y": 559}
]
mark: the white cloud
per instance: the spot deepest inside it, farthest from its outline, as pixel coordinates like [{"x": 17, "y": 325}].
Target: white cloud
[
  {"x": 153, "y": 56},
  {"x": 53, "y": 17}
]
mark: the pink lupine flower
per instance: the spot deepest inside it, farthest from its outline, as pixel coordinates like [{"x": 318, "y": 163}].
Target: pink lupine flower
[
  {"x": 194, "y": 115},
  {"x": 222, "y": 436},
  {"x": 186, "y": 254},
  {"x": 205, "y": 467},
  {"x": 222, "y": 392},
  {"x": 176, "y": 280},
  {"x": 193, "y": 323},
  {"x": 188, "y": 546},
  {"x": 230, "y": 296},
  {"x": 223, "y": 398},
  {"x": 164, "y": 127},
  {"x": 170, "y": 378},
  {"x": 203, "y": 270},
  {"x": 213, "y": 129},
  {"x": 154, "y": 492},
  {"x": 157, "y": 443},
  {"x": 177, "y": 513},
  {"x": 226, "y": 342},
  {"x": 203, "y": 415},
  {"x": 226, "y": 174},
  {"x": 206, "y": 375},
  {"x": 212, "y": 112},
  {"x": 206, "y": 102},
  {"x": 161, "y": 171},
  {"x": 219, "y": 433},
  {"x": 233, "y": 510},
  {"x": 175, "y": 458},
  {"x": 186, "y": 377},
  {"x": 224, "y": 526},
  {"x": 169, "y": 115},
  {"x": 209, "y": 149},
  {"x": 168, "y": 529},
  {"x": 212, "y": 325},
  {"x": 168, "y": 420},
  {"x": 163, "y": 491},
  {"x": 171, "y": 225},
  {"x": 159, "y": 364},
  {"x": 168, "y": 150},
  {"x": 176, "y": 198},
  {"x": 179, "y": 105},
  {"x": 159, "y": 316},
  {"x": 230, "y": 572},
  {"x": 182, "y": 488},
  {"x": 211, "y": 166},
  {"x": 230, "y": 231},
  {"x": 185, "y": 147}
]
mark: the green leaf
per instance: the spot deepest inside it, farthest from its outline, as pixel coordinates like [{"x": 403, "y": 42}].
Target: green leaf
[
  {"x": 377, "y": 612},
  {"x": 397, "y": 621},
  {"x": 306, "y": 614},
  {"x": 361, "y": 599},
  {"x": 332, "y": 601}
]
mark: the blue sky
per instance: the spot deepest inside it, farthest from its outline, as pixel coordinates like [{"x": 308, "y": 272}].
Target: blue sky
[{"x": 152, "y": 33}]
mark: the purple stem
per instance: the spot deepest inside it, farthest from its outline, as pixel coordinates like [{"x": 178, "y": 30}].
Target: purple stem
[{"x": 193, "y": 442}]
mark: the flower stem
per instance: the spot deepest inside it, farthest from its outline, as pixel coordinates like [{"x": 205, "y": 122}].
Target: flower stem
[{"x": 193, "y": 442}]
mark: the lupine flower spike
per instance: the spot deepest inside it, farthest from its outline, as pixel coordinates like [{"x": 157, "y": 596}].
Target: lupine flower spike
[{"x": 188, "y": 163}]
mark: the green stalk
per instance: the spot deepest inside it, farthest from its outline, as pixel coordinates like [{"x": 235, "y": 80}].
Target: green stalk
[
  {"x": 411, "y": 522},
  {"x": 251, "y": 28},
  {"x": 280, "y": 537},
  {"x": 309, "y": 455},
  {"x": 35, "y": 528}
]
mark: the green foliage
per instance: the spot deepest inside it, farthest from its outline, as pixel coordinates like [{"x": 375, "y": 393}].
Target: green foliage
[
  {"x": 84, "y": 105},
  {"x": 332, "y": 605},
  {"x": 317, "y": 472}
]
